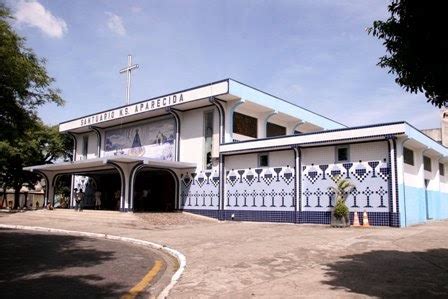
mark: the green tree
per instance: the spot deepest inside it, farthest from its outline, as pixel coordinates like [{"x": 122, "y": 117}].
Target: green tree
[
  {"x": 39, "y": 144},
  {"x": 24, "y": 82},
  {"x": 24, "y": 86},
  {"x": 416, "y": 39}
]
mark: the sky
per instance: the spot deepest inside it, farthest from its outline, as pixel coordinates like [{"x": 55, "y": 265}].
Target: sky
[{"x": 316, "y": 54}]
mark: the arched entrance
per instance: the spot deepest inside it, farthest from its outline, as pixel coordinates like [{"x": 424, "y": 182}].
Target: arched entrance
[
  {"x": 62, "y": 189},
  {"x": 105, "y": 184},
  {"x": 154, "y": 191}
]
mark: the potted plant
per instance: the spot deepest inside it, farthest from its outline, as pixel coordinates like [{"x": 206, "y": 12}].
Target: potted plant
[{"x": 340, "y": 216}]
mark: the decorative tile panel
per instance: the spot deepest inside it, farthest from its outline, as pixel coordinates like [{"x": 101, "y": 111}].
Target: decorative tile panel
[
  {"x": 199, "y": 190},
  {"x": 371, "y": 192},
  {"x": 267, "y": 189}
]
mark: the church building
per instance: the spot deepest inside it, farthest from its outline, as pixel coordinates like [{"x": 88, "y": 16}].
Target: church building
[{"x": 233, "y": 152}]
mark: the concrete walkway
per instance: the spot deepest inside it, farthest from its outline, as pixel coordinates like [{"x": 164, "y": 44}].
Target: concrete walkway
[{"x": 241, "y": 259}]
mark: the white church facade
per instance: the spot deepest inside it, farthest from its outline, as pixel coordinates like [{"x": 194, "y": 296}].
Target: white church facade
[{"x": 229, "y": 151}]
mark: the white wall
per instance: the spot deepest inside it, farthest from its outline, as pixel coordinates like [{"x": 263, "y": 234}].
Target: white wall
[
  {"x": 413, "y": 174},
  {"x": 192, "y": 136},
  {"x": 281, "y": 158},
  {"x": 369, "y": 151},
  {"x": 276, "y": 159},
  {"x": 358, "y": 151},
  {"x": 433, "y": 175},
  {"x": 92, "y": 149}
]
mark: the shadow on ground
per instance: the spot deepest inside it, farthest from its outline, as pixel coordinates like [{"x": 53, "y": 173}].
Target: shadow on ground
[
  {"x": 392, "y": 273},
  {"x": 34, "y": 264}
]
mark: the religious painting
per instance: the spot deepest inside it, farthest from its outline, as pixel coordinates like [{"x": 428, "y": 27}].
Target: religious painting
[{"x": 153, "y": 140}]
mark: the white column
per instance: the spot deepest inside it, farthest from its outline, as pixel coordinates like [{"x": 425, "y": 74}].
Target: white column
[
  {"x": 263, "y": 121},
  {"x": 229, "y": 109},
  {"x": 49, "y": 194},
  {"x": 293, "y": 127}
]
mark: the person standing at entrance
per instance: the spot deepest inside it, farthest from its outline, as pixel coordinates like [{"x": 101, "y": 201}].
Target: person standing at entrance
[
  {"x": 79, "y": 198},
  {"x": 76, "y": 196},
  {"x": 97, "y": 200}
]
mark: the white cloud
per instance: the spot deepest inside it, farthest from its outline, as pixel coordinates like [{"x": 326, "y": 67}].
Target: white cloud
[
  {"x": 136, "y": 9},
  {"x": 115, "y": 24},
  {"x": 33, "y": 14}
]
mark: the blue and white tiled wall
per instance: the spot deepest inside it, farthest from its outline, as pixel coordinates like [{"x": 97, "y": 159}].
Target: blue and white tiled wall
[
  {"x": 260, "y": 193},
  {"x": 368, "y": 170},
  {"x": 268, "y": 193},
  {"x": 370, "y": 178},
  {"x": 270, "y": 188},
  {"x": 199, "y": 192}
]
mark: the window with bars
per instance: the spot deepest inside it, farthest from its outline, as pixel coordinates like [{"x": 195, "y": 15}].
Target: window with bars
[
  {"x": 263, "y": 160},
  {"x": 427, "y": 163},
  {"x": 273, "y": 130},
  {"x": 85, "y": 146},
  {"x": 342, "y": 153},
  {"x": 408, "y": 156},
  {"x": 244, "y": 125}
]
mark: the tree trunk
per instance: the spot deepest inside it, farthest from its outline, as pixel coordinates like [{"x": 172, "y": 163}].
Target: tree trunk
[{"x": 16, "y": 197}]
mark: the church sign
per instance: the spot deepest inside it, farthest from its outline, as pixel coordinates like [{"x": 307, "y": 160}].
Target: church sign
[
  {"x": 149, "y": 105},
  {"x": 133, "y": 109}
]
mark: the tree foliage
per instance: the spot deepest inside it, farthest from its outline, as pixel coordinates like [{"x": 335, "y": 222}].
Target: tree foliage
[
  {"x": 24, "y": 86},
  {"x": 342, "y": 189},
  {"x": 416, "y": 39},
  {"x": 24, "y": 82},
  {"x": 39, "y": 144}
]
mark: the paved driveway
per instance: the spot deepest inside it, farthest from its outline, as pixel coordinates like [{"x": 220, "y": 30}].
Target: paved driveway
[
  {"x": 42, "y": 265},
  {"x": 240, "y": 260}
]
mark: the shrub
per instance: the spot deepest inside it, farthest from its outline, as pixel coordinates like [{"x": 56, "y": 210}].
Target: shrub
[{"x": 340, "y": 209}]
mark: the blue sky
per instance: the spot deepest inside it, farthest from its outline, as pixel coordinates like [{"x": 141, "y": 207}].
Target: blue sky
[{"x": 316, "y": 54}]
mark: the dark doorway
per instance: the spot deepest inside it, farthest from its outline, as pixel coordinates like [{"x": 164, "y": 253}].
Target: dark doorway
[
  {"x": 154, "y": 191},
  {"x": 104, "y": 184}
]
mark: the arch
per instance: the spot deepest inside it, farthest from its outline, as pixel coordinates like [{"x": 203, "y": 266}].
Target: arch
[
  {"x": 98, "y": 136},
  {"x": 94, "y": 176},
  {"x": 176, "y": 117},
  {"x": 123, "y": 182},
  {"x": 47, "y": 185},
  {"x": 54, "y": 185},
  {"x": 175, "y": 180},
  {"x": 75, "y": 144},
  {"x": 221, "y": 115}
]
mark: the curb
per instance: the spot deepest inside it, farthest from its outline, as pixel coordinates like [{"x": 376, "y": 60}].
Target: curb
[{"x": 176, "y": 254}]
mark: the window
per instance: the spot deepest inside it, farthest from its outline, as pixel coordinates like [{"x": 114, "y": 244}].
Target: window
[
  {"x": 408, "y": 156},
  {"x": 441, "y": 169},
  {"x": 427, "y": 163},
  {"x": 208, "y": 137},
  {"x": 85, "y": 146},
  {"x": 244, "y": 125},
  {"x": 342, "y": 153},
  {"x": 297, "y": 132},
  {"x": 273, "y": 130},
  {"x": 263, "y": 160}
]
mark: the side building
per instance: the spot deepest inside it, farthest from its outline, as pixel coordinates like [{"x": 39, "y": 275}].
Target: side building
[{"x": 230, "y": 151}]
